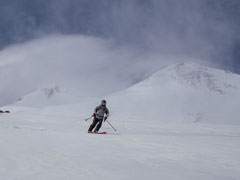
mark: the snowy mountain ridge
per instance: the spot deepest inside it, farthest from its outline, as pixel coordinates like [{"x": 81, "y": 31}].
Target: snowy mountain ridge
[
  {"x": 48, "y": 96},
  {"x": 185, "y": 92},
  {"x": 198, "y": 76}
]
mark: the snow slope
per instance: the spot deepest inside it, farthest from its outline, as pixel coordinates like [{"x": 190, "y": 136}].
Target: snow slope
[
  {"x": 181, "y": 123},
  {"x": 50, "y": 96},
  {"x": 184, "y": 92}
]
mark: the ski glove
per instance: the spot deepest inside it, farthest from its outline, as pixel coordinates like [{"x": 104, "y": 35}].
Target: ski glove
[
  {"x": 93, "y": 115},
  {"x": 105, "y": 118}
]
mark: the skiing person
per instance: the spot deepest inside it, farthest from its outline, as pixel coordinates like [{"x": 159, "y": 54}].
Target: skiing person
[
  {"x": 98, "y": 115},
  {"x": 1, "y": 111}
]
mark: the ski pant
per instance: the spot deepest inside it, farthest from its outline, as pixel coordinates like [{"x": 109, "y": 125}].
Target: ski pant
[{"x": 95, "y": 122}]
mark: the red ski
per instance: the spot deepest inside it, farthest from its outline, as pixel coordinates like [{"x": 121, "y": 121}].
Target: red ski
[{"x": 104, "y": 132}]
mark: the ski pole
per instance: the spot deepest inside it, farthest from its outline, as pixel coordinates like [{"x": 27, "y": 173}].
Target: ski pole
[
  {"x": 88, "y": 118},
  {"x": 111, "y": 125}
]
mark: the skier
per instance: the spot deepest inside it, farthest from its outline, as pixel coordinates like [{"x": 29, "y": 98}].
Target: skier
[
  {"x": 1, "y": 111},
  {"x": 98, "y": 115}
]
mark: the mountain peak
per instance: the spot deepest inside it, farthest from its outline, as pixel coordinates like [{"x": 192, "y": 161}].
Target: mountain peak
[
  {"x": 53, "y": 95},
  {"x": 51, "y": 91},
  {"x": 183, "y": 92},
  {"x": 198, "y": 76}
]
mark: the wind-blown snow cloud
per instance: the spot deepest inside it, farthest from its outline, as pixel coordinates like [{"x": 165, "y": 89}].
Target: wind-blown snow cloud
[
  {"x": 91, "y": 65},
  {"x": 69, "y": 61}
]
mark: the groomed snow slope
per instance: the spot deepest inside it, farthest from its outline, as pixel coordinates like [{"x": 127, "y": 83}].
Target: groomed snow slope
[{"x": 170, "y": 126}]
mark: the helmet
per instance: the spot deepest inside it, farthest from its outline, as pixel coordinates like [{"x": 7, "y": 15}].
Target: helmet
[{"x": 104, "y": 101}]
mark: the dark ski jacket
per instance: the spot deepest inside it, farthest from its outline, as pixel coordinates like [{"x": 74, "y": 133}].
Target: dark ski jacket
[{"x": 100, "y": 111}]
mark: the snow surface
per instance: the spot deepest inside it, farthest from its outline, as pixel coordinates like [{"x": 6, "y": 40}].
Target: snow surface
[{"x": 180, "y": 123}]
